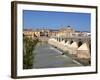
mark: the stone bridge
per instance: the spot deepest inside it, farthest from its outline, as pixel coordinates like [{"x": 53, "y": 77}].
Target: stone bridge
[
  {"x": 43, "y": 38},
  {"x": 78, "y": 46}
]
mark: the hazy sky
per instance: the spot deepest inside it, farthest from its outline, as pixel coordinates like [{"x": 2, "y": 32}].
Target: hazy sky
[{"x": 55, "y": 20}]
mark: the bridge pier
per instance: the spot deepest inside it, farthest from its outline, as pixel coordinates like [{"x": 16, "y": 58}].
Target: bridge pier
[
  {"x": 83, "y": 51},
  {"x": 79, "y": 48},
  {"x": 73, "y": 48}
]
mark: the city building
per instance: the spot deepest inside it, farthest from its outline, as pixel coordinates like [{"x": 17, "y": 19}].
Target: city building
[
  {"x": 31, "y": 33},
  {"x": 65, "y": 32}
]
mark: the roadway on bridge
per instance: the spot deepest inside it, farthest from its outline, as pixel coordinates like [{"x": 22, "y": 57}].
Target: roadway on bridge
[{"x": 47, "y": 56}]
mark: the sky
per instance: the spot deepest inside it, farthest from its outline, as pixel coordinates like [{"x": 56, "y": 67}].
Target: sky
[{"x": 56, "y": 20}]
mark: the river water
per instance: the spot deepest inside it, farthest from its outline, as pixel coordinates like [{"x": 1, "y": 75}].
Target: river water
[{"x": 47, "y": 56}]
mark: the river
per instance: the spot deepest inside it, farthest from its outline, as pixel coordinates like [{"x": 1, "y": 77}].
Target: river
[{"x": 46, "y": 56}]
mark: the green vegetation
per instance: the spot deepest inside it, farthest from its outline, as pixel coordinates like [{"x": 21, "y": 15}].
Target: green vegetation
[{"x": 28, "y": 54}]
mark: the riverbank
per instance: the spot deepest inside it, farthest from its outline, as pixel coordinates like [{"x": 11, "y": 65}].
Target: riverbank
[{"x": 28, "y": 54}]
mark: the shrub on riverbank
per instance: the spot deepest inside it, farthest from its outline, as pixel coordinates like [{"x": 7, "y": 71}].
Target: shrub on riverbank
[{"x": 28, "y": 55}]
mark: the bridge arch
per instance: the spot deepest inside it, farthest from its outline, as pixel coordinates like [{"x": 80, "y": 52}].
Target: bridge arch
[
  {"x": 90, "y": 48},
  {"x": 80, "y": 43},
  {"x": 71, "y": 41},
  {"x": 66, "y": 41}
]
